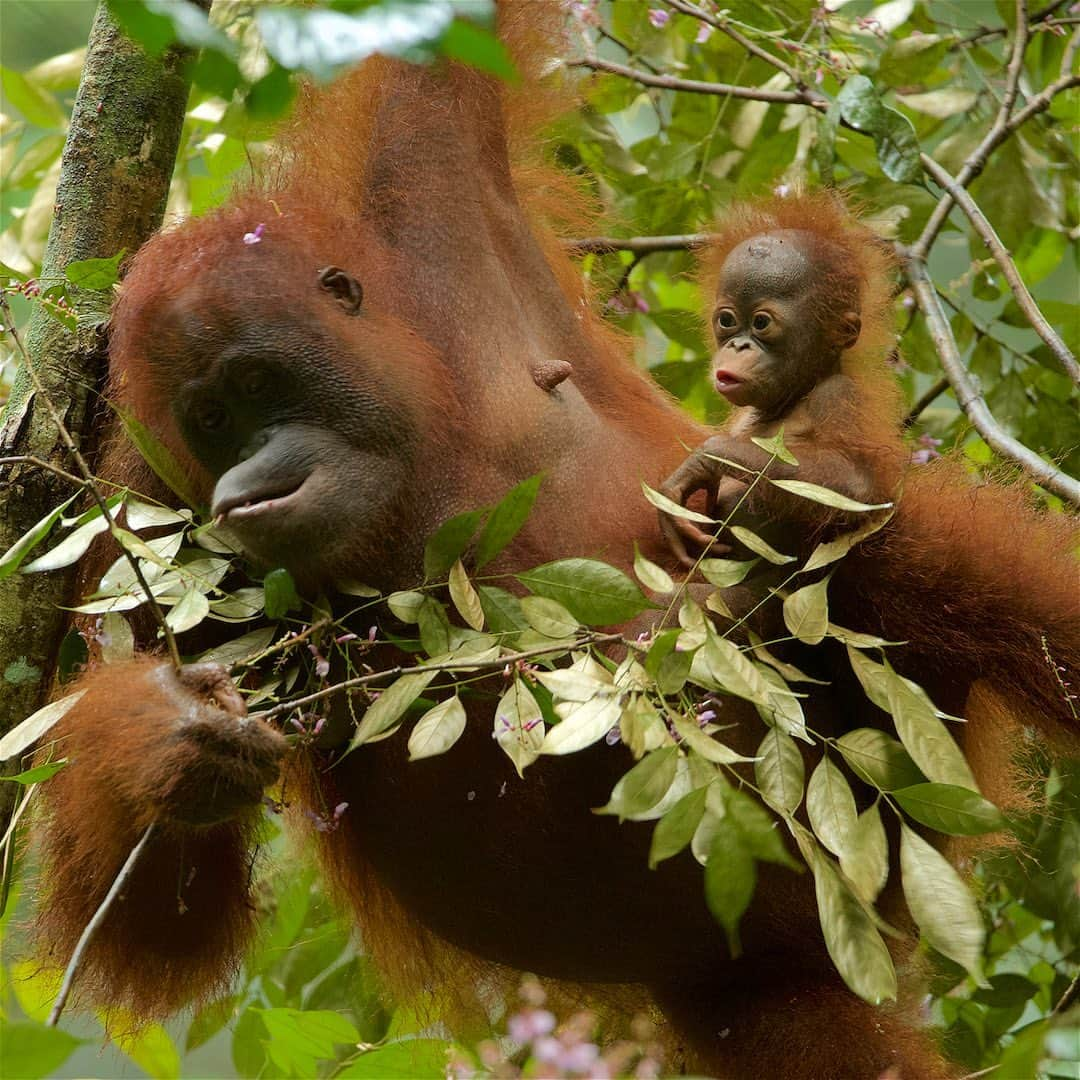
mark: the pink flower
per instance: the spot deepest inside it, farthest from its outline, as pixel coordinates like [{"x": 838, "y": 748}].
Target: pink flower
[
  {"x": 704, "y": 32},
  {"x": 255, "y": 236},
  {"x": 659, "y": 18}
]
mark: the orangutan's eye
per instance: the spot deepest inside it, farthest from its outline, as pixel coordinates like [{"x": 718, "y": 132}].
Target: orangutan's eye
[
  {"x": 726, "y": 318},
  {"x": 212, "y": 416},
  {"x": 761, "y": 321}
]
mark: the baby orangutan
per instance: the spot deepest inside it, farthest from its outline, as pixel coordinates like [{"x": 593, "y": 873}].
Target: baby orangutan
[{"x": 788, "y": 308}]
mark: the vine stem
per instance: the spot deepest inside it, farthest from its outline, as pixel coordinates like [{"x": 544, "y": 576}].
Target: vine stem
[
  {"x": 87, "y": 477},
  {"x": 94, "y": 924},
  {"x": 449, "y": 665}
]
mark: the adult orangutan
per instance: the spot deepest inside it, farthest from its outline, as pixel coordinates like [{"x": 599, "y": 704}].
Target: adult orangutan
[{"x": 398, "y": 347}]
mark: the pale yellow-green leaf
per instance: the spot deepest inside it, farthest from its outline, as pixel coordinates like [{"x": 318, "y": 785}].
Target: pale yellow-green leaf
[
  {"x": 830, "y": 550},
  {"x": 24, "y": 735},
  {"x": 941, "y": 903},
  {"x": 70, "y": 549},
  {"x": 549, "y": 617},
  {"x": 865, "y": 860},
  {"x": 779, "y": 771},
  {"x": 582, "y": 724},
  {"x": 406, "y": 605},
  {"x": 695, "y": 739},
  {"x": 653, "y": 577},
  {"x": 788, "y": 671},
  {"x": 390, "y": 706},
  {"x": 806, "y": 612},
  {"x": 570, "y": 684},
  {"x": 437, "y": 730},
  {"x": 825, "y": 496},
  {"x": 465, "y": 597},
  {"x": 668, "y": 506},
  {"x": 758, "y": 546},
  {"x": 723, "y": 573},
  {"x": 716, "y": 603},
  {"x": 519, "y": 725},
  {"x": 140, "y": 515},
  {"x": 830, "y": 806},
  {"x": 116, "y": 639}
]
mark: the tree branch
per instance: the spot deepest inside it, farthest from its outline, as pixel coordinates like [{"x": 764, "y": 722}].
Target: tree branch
[
  {"x": 970, "y": 398},
  {"x": 1001, "y": 256},
  {"x": 725, "y": 27},
  {"x": 999, "y": 131},
  {"x": 641, "y": 245},
  {"x": 696, "y": 86}
]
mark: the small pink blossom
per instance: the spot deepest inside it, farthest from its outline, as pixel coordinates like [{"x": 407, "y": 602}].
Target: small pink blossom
[
  {"x": 704, "y": 32},
  {"x": 659, "y": 18},
  {"x": 339, "y": 810},
  {"x": 530, "y": 1024},
  {"x": 256, "y": 235},
  {"x": 782, "y": 191}
]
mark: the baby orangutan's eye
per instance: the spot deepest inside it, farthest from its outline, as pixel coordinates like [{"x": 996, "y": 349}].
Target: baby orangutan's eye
[
  {"x": 726, "y": 318},
  {"x": 761, "y": 321}
]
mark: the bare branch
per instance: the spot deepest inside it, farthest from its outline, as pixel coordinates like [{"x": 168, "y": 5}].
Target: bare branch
[
  {"x": 1008, "y": 267},
  {"x": 640, "y": 245},
  {"x": 1016, "y": 65},
  {"x": 925, "y": 401},
  {"x": 969, "y": 397},
  {"x": 29, "y": 459},
  {"x": 725, "y": 27},
  {"x": 999, "y": 31},
  {"x": 696, "y": 86},
  {"x": 92, "y": 926},
  {"x": 88, "y": 477},
  {"x": 1001, "y": 129}
]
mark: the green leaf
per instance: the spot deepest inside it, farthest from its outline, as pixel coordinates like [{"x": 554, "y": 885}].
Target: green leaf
[
  {"x": 950, "y": 809},
  {"x": 828, "y": 551},
  {"x": 894, "y": 136},
  {"x": 158, "y": 456},
  {"x": 151, "y": 1048},
  {"x": 593, "y": 592},
  {"x": 653, "y": 577},
  {"x": 779, "y": 771},
  {"x": 31, "y": 1050},
  {"x": 23, "y": 736},
  {"x": 434, "y": 626},
  {"x": 157, "y": 24},
  {"x": 409, "y": 1059},
  {"x": 390, "y": 706},
  {"x": 758, "y": 546},
  {"x": 321, "y": 41},
  {"x": 878, "y": 759},
  {"x": 669, "y": 506},
  {"x": 502, "y": 610},
  {"x": 582, "y": 723},
  {"x": 299, "y": 1040},
  {"x": 758, "y": 828},
  {"x": 71, "y": 549},
  {"x": 465, "y": 598},
  {"x": 37, "y": 774},
  {"x": 776, "y": 447},
  {"x": 912, "y": 59},
  {"x": 677, "y": 827},
  {"x": 851, "y": 937},
  {"x": 473, "y": 45},
  {"x": 806, "y": 612},
  {"x": 38, "y": 106},
  {"x": 506, "y": 519},
  {"x": 730, "y": 878},
  {"x": 10, "y": 560},
  {"x": 437, "y": 730},
  {"x": 644, "y": 785},
  {"x": 95, "y": 273},
  {"x": 667, "y": 666},
  {"x": 705, "y": 745},
  {"x": 209, "y": 1020},
  {"x": 830, "y": 806},
  {"x": 406, "y": 605},
  {"x": 448, "y": 543},
  {"x": 279, "y": 592},
  {"x": 865, "y": 859},
  {"x": 941, "y": 904}
]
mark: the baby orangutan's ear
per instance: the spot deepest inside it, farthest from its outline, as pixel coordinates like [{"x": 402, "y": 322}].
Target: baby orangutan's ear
[
  {"x": 343, "y": 287},
  {"x": 848, "y": 330}
]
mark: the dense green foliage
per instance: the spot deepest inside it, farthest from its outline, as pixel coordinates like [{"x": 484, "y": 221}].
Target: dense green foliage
[{"x": 898, "y": 77}]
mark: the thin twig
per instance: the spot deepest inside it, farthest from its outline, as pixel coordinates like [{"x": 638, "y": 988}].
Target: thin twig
[
  {"x": 999, "y": 31},
  {"x": 725, "y": 27},
  {"x": 29, "y": 459},
  {"x": 696, "y": 86},
  {"x": 93, "y": 925},
  {"x": 1016, "y": 65},
  {"x": 925, "y": 400},
  {"x": 1024, "y": 298},
  {"x": 969, "y": 397},
  {"x": 605, "y": 33},
  {"x": 449, "y": 665},
  {"x": 640, "y": 245},
  {"x": 88, "y": 477},
  {"x": 999, "y": 131}
]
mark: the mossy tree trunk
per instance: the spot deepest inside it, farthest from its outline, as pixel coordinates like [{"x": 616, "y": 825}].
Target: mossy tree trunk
[{"x": 114, "y": 181}]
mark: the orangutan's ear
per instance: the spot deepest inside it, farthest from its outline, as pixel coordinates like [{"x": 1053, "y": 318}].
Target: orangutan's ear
[{"x": 342, "y": 287}]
